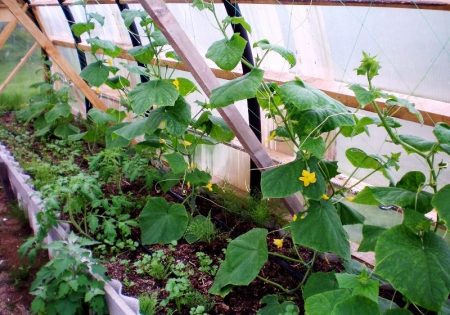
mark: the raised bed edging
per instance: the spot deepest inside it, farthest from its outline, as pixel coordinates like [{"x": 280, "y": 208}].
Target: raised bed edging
[{"x": 30, "y": 200}]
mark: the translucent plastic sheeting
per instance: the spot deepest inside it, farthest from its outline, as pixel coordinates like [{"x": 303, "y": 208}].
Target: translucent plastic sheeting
[{"x": 412, "y": 46}]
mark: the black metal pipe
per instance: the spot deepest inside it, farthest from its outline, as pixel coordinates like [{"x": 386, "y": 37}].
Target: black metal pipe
[
  {"x": 134, "y": 36},
  {"x": 254, "y": 113},
  {"x": 81, "y": 55}
]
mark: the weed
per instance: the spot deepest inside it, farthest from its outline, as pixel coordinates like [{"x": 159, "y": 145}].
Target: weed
[
  {"x": 200, "y": 229},
  {"x": 157, "y": 265},
  {"x": 206, "y": 263},
  {"x": 148, "y": 303}
]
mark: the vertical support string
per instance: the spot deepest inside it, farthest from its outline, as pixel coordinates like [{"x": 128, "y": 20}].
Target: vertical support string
[
  {"x": 254, "y": 113},
  {"x": 80, "y": 53},
  {"x": 134, "y": 35}
]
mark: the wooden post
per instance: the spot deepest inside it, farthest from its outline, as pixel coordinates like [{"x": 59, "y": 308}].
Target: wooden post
[
  {"x": 208, "y": 81},
  {"x": 53, "y": 53},
  {"x": 18, "y": 67}
]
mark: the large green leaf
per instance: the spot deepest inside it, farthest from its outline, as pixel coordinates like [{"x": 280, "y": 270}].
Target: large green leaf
[
  {"x": 129, "y": 16},
  {"x": 401, "y": 102},
  {"x": 442, "y": 133},
  {"x": 417, "y": 266},
  {"x": 321, "y": 230},
  {"x": 419, "y": 201},
  {"x": 322, "y": 119},
  {"x": 359, "y": 284},
  {"x": 65, "y": 130},
  {"x": 227, "y": 53},
  {"x": 244, "y": 258},
  {"x": 300, "y": 97},
  {"x": 370, "y": 237},
  {"x": 162, "y": 222},
  {"x": 95, "y": 73},
  {"x": 108, "y": 48},
  {"x": 325, "y": 302},
  {"x": 418, "y": 143},
  {"x": 348, "y": 215},
  {"x": 364, "y": 96},
  {"x": 80, "y": 28},
  {"x": 238, "y": 89},
  {"x": 283, "y": 52},
  {"x": 441, "y": 202},
  {"x": 320, "y": 282},
  {"x": 176, "y": 162},
  {"x": 59, "y": 110},
  {"x": 283, "y": 180},
  {"x": 177, "y": 117},
  {"x": 158, "y": 93},
  {"x": 214, "y": 126},
  {"x": 140, "y": 126},
  {"x": 361, "y": 159},
  {"x": 356, "y": 305},
  {"x": 412, "y": 181},
  {"x": 142, "y": 54},
  {"x": 271, "y": 305}
]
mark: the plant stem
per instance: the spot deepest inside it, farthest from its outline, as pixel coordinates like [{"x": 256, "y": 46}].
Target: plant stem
[
  {"x": 286, "y": 257},
  {"x": 277, "y": 285}
]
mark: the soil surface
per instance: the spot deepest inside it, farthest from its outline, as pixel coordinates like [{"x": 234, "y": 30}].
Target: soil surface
[{"x": 15, "y": 275}]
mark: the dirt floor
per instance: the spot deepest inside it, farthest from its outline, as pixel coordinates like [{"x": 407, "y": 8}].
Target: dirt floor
[{"x": 15, "y": 274}]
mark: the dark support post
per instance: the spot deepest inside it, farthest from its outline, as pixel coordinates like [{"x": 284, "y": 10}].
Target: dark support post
[
  {"x": 4, "y": 177},
  {"x": 254, "y": 114},
  {"x": 81, "y": 55},
  {"x": 134, "y": 35}
]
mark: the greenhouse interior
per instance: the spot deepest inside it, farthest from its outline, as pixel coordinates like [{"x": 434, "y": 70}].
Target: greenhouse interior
[{"x": 206, "y": 157}]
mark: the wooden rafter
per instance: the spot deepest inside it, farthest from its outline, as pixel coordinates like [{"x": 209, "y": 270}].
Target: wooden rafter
[
  {"x": 443, "y": 5},
  {"x": 207, "y": 80},
  {"x": 10, "y": 27},
  {"x": 432, "y": 111},
  {"x": 18, "y": 66},
  {"x": 53, "y": 53}
]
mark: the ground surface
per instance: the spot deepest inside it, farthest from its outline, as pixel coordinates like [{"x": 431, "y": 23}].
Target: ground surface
[{"x": 15, "y": 278}]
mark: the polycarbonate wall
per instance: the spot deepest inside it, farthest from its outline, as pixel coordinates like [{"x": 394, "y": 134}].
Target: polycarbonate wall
[{"x": 412, "y": 46}]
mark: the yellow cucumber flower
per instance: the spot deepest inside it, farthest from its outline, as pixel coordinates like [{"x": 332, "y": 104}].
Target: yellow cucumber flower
[
  {"x": 308, "y": 178},
  {"x": 109, "y": 61},
  {"x": 162, "y": 141},
  {"x": 325, "y": 197},
  {"x": 177, "y": 84},
  {"x": 209, "y": 186},
  {"x": 186, "y": 143},
  {"x": 278, "y": 242},
  {"x": 294, "y": 217}
]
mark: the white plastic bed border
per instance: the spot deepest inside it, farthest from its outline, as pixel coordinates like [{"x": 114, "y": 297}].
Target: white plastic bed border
[{"x": 31, "y": 202}]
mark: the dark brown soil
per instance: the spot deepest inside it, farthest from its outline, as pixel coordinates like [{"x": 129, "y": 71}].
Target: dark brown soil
[{"x": 15, "y": 274}]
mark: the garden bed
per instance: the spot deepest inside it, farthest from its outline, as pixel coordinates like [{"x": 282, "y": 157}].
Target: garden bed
[{"x": 243, "y": 300}]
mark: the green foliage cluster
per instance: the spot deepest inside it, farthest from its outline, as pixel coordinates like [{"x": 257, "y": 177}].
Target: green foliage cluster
[{"x": 64, "y": 285}]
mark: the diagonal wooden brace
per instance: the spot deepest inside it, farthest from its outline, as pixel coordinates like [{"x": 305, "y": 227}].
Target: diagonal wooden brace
[
  {"x": 18, "y": 67},
  {"x": 167, "y": 23},
  {"x": 53, "y": 53}
]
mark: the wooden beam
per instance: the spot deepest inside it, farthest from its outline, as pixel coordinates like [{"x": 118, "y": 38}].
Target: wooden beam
[
  {"x": 432, "y": 111},
  {"x": 442, "y": 5},
  {"x": 18, "y": 67},
  {"x": 207, "y": 80},
  {"x": 6, "y": 16},
  {"x": 53, "y": 53},
  {"x": 8, "y": 29}
]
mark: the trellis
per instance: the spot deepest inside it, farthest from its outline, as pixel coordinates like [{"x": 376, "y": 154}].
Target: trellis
[{"x": 14, "y": 12}]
